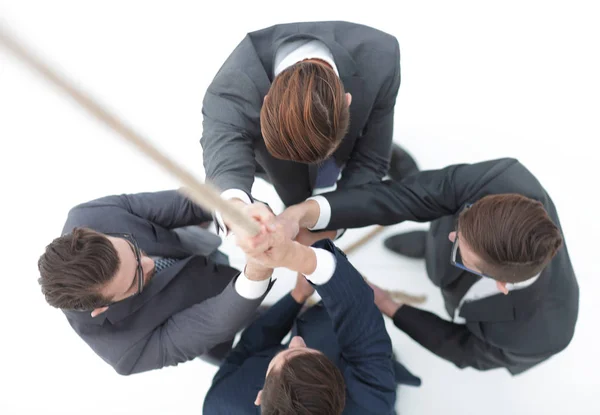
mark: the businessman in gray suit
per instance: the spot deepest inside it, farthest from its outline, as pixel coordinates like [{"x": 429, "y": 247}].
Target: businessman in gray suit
[
  {"x": 144, "y": 286},
  {"x": 300, "y": 105}
]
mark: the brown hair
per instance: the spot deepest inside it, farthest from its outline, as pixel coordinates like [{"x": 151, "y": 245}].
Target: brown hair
[
  {"x": 512, "y": 234},
  {"x": 306, "y": 384},
  {"x": 305, "y": 115},
  {"x": 75, "y": 267}
]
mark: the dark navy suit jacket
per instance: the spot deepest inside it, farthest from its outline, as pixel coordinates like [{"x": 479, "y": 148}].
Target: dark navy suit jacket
[{"x": 347, "y": 327}]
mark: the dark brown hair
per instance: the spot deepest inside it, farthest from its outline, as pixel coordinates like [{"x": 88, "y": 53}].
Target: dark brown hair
[
  {"x": 512, "y": 234},
  {"x": 305, "y": 114},
  {"x": 75, "y": 267},
  {"x": 306, "y": 384}
]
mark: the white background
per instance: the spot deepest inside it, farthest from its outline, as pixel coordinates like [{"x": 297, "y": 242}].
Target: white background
[{"x": 480, "y": 80}]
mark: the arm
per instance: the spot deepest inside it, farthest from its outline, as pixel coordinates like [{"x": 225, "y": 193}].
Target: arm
[
  {"x": 452, "y": 342},
  {"x": 423, "y": 197},
  {"x": 197, "y": 329},
  {"x": 370, "y": 158},
  {"x": 169, "y": 209},
  {"x": 361, "y": 333},
  {"x": 231, "y": 114},
  {"x": 358, "y": 324}
]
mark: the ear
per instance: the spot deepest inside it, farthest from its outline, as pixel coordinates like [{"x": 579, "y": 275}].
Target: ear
[
  {"x": 502, "y": 287},
  {"x": 257, "y": 400},
  {"x": 348, "y": 98},
  {"x": 452, "y": 236},
  {"x": 98, "y": 311}
]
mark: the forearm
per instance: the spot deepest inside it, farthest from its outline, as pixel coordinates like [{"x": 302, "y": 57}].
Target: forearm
[
  {"x": 257, "y": 272},
  {"x": 191, "y": 332},
  {"x": 422, "y": 197},
  {"x": 360, "y": 332},
  {"x": 452, "y": 342}
]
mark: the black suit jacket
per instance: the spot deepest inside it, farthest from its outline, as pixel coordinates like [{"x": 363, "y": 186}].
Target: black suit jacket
[
  {"x": 184, "y": 310},
  {"x": 348, "y": 328},
  {"x": 515, "y": 331},
  {"x": 368, "y": 62}
]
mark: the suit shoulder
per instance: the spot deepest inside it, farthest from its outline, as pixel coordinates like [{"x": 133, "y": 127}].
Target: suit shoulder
[
  {"x": 242, "y": 69},
  {"x": 93, "y": 214},
  {"x": 373, "y": 37}
]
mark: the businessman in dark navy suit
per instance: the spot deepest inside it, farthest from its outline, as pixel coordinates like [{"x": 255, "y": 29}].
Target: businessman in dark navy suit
[{"x": 339, "y": 359}]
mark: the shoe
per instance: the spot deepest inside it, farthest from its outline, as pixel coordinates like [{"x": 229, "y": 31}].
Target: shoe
[
  {"x": 410, "y": 244},
  {"x": 402, "y": 164}
]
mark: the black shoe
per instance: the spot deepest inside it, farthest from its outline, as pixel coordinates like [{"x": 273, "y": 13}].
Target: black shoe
[
  {"x": 401, "y": 164},
  {"x": 410, "y": 244}
]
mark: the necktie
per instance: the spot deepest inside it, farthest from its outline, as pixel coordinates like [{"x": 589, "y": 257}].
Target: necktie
[
  {"x": 160, "y": 264},
  {"x": 327, "y": 174}
]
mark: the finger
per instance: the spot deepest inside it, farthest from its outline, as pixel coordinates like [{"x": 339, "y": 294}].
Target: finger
[
  {"x": 261, "y": 213},
  {"x": 253, "y": 246}
]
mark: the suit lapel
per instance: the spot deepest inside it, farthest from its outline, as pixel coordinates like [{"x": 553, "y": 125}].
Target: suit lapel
[{"x": 125, "y": 308}]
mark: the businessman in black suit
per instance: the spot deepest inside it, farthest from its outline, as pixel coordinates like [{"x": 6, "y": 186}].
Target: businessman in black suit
[
  {"x": 495, "y": 248},
  {"x": 299, "y": 104},
  {"x": 339, "y": 359}
]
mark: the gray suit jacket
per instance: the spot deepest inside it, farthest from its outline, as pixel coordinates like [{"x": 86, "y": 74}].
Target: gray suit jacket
[
  {"x": 368, "y": 62},
  {"x": 185, "y": 310},
  {"x": 514, "y": 331}
]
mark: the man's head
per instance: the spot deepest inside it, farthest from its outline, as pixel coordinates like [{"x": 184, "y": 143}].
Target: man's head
[
  {"x": 306, "y": 113},
  {"x": 302, "y": 381},
  {"x": 86, "y": 270},
  {"x": 507, "y": 237}
]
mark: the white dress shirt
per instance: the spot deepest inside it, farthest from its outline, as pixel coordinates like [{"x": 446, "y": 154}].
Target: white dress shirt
[
  {"x": 250, "y": 289},
  {"x": 486, "y": 287},
  {"x": 323, "y": 272},
  {"x": 325, "y": 268}
]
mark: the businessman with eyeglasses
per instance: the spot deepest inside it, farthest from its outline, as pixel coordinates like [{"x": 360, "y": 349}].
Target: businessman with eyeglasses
[
  {"x": 144, "y": 286},
  {"x": 495, "y": 248}
]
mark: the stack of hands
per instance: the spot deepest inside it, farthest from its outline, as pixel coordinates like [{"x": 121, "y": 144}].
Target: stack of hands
[{"x": 284, "y": 241}]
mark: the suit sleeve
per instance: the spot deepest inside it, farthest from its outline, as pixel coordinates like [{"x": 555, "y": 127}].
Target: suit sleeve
[
  {"x": 190, "y": 333},
  {"x": 231, "y": 114},
  {"x": 452, "y": 342},
  {"x": 267, "y": 331},
  {"x": 169, "y": 209},
  {"x": 370, "y": 158},
  {"x": 361, "y": 334},
  {"x": 423, "y": 197}
]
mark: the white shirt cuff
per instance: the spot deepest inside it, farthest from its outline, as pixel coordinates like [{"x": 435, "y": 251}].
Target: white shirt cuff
[
  {"x": 251, "y": 289},
  {"x": 325, "y": 267},
  {"x": 324, "y": 213},
  {"x": 231, "y": 194}
]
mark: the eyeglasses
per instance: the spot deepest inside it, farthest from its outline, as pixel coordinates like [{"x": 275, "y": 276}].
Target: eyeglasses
[
  {"x": 138, "y": 256},
  {"x": 455, "y": 257}
]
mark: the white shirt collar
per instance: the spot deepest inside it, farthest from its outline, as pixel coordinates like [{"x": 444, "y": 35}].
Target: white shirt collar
[{"x": 292, "y": 52}]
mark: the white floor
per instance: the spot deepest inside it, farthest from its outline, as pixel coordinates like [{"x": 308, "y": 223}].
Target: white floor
[{"x": 480, "y": 80}]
